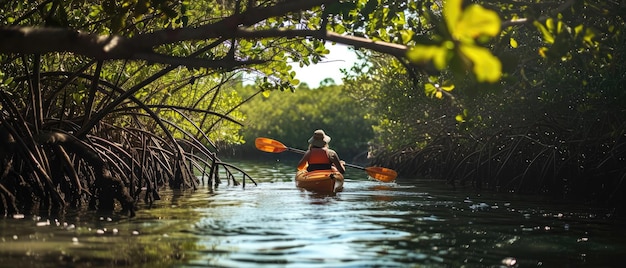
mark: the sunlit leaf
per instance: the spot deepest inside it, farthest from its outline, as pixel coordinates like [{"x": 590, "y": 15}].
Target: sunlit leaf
[
  {"x": 486, "y": 66},
  {"x": 399, "y": 19},
  {"x": 383, "y": 34},
  {"x": 407, "y": 35},
  {"x": 476, "y": 21},
  {"x": 547, "y": 36},
  {"x": 447, "y": 88},
  {"x": 430, "y": 89},
  {"x": 459, "y": 118},
  {"x": 8, "y": 81},
  {"x": 95, "y": 10},
  {"x": 424, "y": 53},
  {"x": 554, "y": 27},
  {"x": 542, "y": 51},
  {"x": 589, "y": 35},
  {"x": 513, "y": 42},
  {"x": 452, "y": 13},
  {"x": 339, "y": 28},
  {"x": 266, "y": 93}
]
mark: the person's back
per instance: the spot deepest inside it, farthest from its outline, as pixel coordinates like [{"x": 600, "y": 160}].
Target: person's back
[
  {"x": 319, "y": 156},
  {"x": 318, "y": 159}
]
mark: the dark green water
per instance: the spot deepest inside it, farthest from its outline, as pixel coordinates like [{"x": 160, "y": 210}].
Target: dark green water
[{"x": 369, "y": 224}]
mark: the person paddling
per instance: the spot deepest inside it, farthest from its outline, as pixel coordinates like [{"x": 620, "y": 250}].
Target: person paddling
[{"x": 319, "y": 156}]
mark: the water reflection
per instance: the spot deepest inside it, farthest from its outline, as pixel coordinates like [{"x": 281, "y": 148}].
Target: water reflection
[{"x": 369, "y": 224}]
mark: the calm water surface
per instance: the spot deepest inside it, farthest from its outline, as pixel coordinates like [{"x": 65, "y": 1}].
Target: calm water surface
[{"x": 369, "y": 224}]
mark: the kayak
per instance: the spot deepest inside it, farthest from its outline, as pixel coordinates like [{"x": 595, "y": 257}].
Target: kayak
[{"x": 325, "y": 181}]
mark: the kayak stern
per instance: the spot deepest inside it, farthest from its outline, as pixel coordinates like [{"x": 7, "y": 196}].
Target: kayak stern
[{"x": 326, "y": 181}]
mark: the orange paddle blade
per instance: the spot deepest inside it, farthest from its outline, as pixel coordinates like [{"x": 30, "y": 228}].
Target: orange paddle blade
[
  {"x": 269, "y": 145},
  {"x": 381, "y": 173}
]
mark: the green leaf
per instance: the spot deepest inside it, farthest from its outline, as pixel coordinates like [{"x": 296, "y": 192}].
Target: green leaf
[
  {"x": 543, "y": 52},
  {"x": 399, "y": 19},
  {"x": 447, "y": 88},
  {"x": 430, "y": 89},
  {"x": 589, "y": 35},
  {"x": 476, "y": 21},
  {"x": 339, "y": 28},
  {"x": 406, "y": 35},
  {"x": 452, "y": 13},
  {"x": 8, "y": 81},
  {"x": 513, "y": 42},
  {"x": 556, "y": 29},
  {"x": 547, "y": 36},
  {"x": 425, "y": 53},
  {"x": 486, "y": 66},
  {"x": 578, "y": 29},
  {"x": 383, "y": 34},
  {"x": 459, "y": 118}
]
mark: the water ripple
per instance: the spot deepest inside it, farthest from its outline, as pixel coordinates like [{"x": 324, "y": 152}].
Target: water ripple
[{"x": 369, "y": 224}]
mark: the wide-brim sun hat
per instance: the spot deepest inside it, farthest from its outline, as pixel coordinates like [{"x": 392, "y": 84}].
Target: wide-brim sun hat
[{"x": 319, "y": 139}]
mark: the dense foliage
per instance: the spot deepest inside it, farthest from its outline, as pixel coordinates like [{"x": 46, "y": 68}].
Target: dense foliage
[
  {"x": 554, "y": 123},
  {"x": 292, "y": 117}
]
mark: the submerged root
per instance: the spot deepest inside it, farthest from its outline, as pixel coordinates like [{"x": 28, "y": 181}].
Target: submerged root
[{"x": 109, "y": 189}]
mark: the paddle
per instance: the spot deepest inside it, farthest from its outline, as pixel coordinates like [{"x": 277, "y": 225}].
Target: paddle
[{"x": 274, "y": 146}]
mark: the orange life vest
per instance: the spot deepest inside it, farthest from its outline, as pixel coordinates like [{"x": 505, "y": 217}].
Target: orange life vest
[{"x": 318, "y": 159}]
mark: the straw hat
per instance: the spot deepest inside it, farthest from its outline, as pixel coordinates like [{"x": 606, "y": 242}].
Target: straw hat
[{"x": 319, "y": 139}]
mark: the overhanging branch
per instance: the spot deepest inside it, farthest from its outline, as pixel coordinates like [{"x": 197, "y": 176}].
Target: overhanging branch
[
  {"x": 225, "y": 26},
  {"x": 29, "y": 40},
  {"x": 393, "y": 49},
  {"x": 37, "y": 40}
]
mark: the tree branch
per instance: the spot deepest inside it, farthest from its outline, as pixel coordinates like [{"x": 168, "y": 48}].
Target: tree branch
[
  {"x": 224, "y": 26},
  {"x": 30, "y": 40},
  {"x": 36, "y": 40},
  {"x": 194, "y": 62},
  {"x": 397, "y": 50}
]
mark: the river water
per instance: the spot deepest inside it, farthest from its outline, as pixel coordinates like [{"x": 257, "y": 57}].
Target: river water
[{"x": 407, "y": 223}]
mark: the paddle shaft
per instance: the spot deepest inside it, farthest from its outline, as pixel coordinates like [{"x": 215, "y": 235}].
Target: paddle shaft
[{"x": 303, "y": 152}]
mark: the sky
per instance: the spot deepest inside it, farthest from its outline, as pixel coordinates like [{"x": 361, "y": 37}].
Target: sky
[{"x": 340, "y": 57}]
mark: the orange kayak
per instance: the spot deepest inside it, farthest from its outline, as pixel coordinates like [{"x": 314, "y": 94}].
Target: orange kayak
[{"x": 325, "y": 181}]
